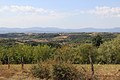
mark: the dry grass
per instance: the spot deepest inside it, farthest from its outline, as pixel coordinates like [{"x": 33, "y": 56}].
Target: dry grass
[
  {"x": 16, "y": 72},
  {"x": 104, "y": 72},
  {"x": 59, "y": 38}
]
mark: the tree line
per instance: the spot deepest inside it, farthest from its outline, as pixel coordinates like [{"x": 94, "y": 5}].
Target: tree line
[{"x": 101, "y": 53}]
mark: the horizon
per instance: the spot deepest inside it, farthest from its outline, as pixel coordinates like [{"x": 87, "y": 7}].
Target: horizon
[
  {"x": 56, "y": 28},
  {"x": 77, "y": 14}
]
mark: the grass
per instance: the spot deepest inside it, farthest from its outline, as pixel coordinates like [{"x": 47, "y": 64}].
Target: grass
[
  {"x": 107, "y": 69},
  {"x": 107, "y": 72},
  {"x": 16, "y": 72},
  {"x": 103, "y": 72},
  {"x": 16, "y": 66}
]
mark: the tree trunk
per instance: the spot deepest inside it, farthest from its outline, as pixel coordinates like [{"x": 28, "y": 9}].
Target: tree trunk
[
  {"x": 92, "y": 67},
  {"x": 8, "y": 63},
  {"x": 22, "y": 63}
]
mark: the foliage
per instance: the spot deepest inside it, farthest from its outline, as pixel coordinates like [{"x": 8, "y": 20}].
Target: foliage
[
  {"x": 85, "y": 51},
  {"x": 43, "y": 53},
  {"x": 109, "y": 52},
  {"x": 97, "y": 40},
  {"x": 7, "y": 42},
  {"x": 56, "y": 71},
  {"x": 41, "y": 71},
  {"x": 30, "y": 54},
  {"x": 66, "y": 72},
  {"x": 64, "y": 54}
]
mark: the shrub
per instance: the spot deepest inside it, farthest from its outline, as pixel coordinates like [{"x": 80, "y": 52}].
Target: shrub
[
  {"x": 66, "y": 72},
  {"x": 41, "y": 71},
  {"x": 57, "y": 71}
]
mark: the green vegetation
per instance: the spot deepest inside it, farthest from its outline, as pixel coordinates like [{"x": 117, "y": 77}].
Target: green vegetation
[
  {"x": 41, "y": 71},
  {"x": 102, "y": 52},
  {"x": 63, "y": 51},
  {"x": 66, "y": 72},
  {"x": 97, "y": 40},
  {"x": 57, "y": 71}
]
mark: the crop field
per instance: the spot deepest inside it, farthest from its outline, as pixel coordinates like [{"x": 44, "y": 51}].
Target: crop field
[{"x": 103, "y": 72}]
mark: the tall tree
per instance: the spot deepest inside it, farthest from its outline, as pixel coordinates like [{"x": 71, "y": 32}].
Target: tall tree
[
  {"x": 109, "y": 52},
  {"x": 97, "y": 40},
  {"x": 88, "y": 51}
]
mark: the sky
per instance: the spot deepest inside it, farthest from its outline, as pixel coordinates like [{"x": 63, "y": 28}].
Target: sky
[{"x": 66, "y": 14}]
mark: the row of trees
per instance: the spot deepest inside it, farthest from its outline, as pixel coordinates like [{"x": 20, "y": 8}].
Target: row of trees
[
  {"x": 106, "y": 53},
  {"x": 30, "y": 54}
]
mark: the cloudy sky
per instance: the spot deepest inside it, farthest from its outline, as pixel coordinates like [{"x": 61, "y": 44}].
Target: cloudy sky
[{"x": 70, "y": 14}]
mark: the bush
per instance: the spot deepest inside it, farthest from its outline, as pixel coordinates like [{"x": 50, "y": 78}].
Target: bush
[
  {"x": 57, "y": 71},
  {"x": 66, "y": 72},
  {"x": 41, "y": 71}
]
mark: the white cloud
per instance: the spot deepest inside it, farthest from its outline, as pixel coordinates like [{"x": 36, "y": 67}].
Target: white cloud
[
  {"x": 29, "y": 16},
  {"x": 25, "y": 10},
  {"x": 24, "y": 16},
  {"x": 106, "y": 11}
]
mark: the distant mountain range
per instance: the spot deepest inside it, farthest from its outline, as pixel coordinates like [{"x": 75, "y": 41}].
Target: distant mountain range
[{"x": 53, "y": 30}]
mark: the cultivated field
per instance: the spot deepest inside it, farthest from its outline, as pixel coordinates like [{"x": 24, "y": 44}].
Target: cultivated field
[{"x": 102, "y": 72}]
